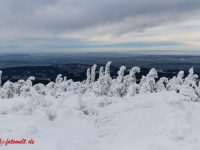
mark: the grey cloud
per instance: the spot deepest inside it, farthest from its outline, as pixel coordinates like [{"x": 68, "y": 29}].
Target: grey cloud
[{"x": 61, "y": 16}]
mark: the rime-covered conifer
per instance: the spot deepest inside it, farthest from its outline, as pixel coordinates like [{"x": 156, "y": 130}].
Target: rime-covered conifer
[
  {"x": 107, "y": 68},
  {"x": 26, "y": 89},
  {"x": 160, "y": 86},
  {"x": 0, "y": 77},
  {"x": 88, "y": 80},
  {"x": 106, "y": 80},
  {"x": 148, "y": 82},
  {"x": 118, "y": 89},
  {"x": 175, "y": 82},
  {"x": 101, "y": 72},
  {"x": 189, "y": 89},
  {"x": 93, "y": 73},
  {"x": 132, "y": 86}
]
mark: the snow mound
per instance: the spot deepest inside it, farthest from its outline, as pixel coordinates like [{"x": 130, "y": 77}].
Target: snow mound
[{"x": 152, "y": 121}]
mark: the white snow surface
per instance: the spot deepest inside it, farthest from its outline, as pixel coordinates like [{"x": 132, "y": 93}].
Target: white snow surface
[{"x": 148, "y": 121}]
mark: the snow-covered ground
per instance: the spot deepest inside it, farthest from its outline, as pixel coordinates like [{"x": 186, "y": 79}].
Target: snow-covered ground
[
  {"x": 149, "y": 121},
  {"x": 65, "y": 131}
]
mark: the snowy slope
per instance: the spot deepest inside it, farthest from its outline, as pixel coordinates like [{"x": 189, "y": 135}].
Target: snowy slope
[
  {"x": 66, "y": 131},
  {"x": 150, "y": 121},
  {"x": 159, "y": 121}
]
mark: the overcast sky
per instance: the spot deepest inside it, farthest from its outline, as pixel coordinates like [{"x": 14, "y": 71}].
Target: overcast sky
[{"x": 103, "y": 25}]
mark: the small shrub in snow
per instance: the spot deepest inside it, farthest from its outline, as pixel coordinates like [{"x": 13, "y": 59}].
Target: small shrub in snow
[
  {"x": 18, "y": 86},
  {"x": 39, "y": 88},
  {"x": 8, "y": 89},
  {"x": 51, "y": 113},
  {"x": 17, "y": 106},
  {"x": 26, "y": 90},
  {"x": 50, "y": 88},
  {"x": 36, "y": 101},
  {"x": 93, "y": 106}
]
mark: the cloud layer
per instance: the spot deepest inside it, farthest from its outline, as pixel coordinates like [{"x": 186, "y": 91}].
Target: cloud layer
[
  {"x": 58, "y": 16},
  {"x": 90, "y": 19}
]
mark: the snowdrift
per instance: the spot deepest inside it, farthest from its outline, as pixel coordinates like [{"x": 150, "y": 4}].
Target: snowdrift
[{"x": 151, "y": 121}]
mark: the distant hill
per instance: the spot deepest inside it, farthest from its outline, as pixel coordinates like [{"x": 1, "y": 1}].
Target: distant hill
[{"x": 45, "y": 74}]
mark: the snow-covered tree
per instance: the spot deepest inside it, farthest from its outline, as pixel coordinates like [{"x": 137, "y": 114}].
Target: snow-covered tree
[
  {"x": 175, "y": 82},
  {"x": 97, "y": 86},
  {"x": 131, "y": 76},
  {"x": 88, "y": 80},
  {"x": 160, "y": 86},
  {"x": 50, "y": 88},
  {"x": 8, "y": 89},
  {"x": 132, "y": 86},
  {"x": 58, "y": 82},
  {"x": 59, "y": 79},
  {"x": 20, "y": 83},
  {"x": 171, "y": 84},
  {"x": 106, "y": 80},
  {"x": 40, "y": 88},
  {"x": 148, "y": 82},
  {"x": 179, "y": 79},
  {"x": 189, "y": 89},
  {"x": 119, "y": 88},
  {"x": 0, "y": 77},
  {"x": 62, "y": 86},
  {"x": 26, "y": 89},
  {"x": 101, "y": 73},
  {"x": 93, "y": 73},
  {"x": 67, "y": 86},
  {"x": 105, "y": 88},
  {"x": 107, "y": 68},
  {"x": 191, "y": 78}
]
